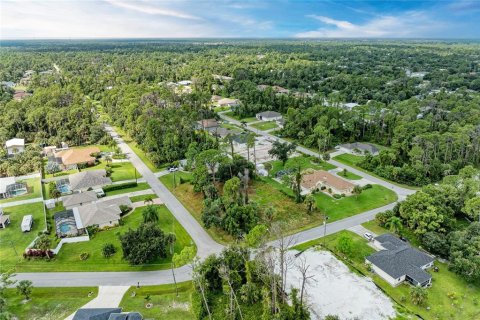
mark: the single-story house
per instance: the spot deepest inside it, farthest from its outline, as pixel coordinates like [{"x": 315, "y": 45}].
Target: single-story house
[
  {"x": 280, "y": 90},
  {"x": 207, "y": 124},
  {"x": 215, "y": 98},
  {"x": 222, "y": 78},
  {"x": 102, "y": 213},
  {"x": 71, "y": 158},
  {"x": 20, "y": 95},
  {"x": 184, "y": 83},
  {"x": 269, "y": 116},
  {"x": 350, "y": 105},
  {"x": 79, "y": 199},
  {"x": 4, "y": 219},
  {"x": 49, "y": 150},
  {"x": 227, "y": 102},
  {"x": 320, "y": 178},
  {"x": 105, "y": 314},
  {"x": 89, "y": 179},
  {"x": 11, "y": 188},
  {"x": 359, "y": 146},
  {"x": 221, "y": 132},
  {"x": 397, "y": 261},
  {"x": 14, "y": 146}
]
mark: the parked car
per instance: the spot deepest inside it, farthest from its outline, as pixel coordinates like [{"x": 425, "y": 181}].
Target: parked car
[
  {"x": 172, "y": 169},
  {"x": 368, "y": 236}
]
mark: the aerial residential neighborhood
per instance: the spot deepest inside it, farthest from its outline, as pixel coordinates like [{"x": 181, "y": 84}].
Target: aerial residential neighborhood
[{"x": 239, "y": 160}]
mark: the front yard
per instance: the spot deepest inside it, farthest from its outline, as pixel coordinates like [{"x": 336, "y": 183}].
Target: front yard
[
  {"x": 233, "y": 116},
  {"x": 265, "y": 125},
  {"x": 120, "y": 170},
  {"x": 369, "y": 199},
  {"x": 68, "y": 258},
  {"x": 166, "y": 305},
  {"x": 306, "y": 162},
  {"x": 13, "y": 241},
  {"x": 450, "y": 297},
  {"x": 34, "y": 191},
  {"x": 49, "y": 303}
]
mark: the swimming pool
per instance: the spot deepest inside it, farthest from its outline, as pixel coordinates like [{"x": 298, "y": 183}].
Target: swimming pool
[
  {"x": 65, "y": 224},
  {"x": 64, "y": 188},
  {"x": 65, "y": 228}
]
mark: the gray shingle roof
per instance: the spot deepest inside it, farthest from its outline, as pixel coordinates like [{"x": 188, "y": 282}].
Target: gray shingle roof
[
  {"x": 95, "y": 313},
  {"x": 88, "y": 179},
  {"x": 269, "y": 114},
  {"x": 79, "y": 198},
  {"x": 400, "y": 259},
  {"x": 102, "y": 212}
]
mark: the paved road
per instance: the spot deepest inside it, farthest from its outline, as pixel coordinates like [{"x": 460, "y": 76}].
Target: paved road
[
  {"x": 401, "y": 192},
  {"x": 203, "y": 241}
]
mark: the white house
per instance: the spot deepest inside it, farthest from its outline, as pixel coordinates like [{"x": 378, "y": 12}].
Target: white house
[
  {"x": 397, "y": 262},
  {"x": 269, "y": 116},
  {"x": 15, "y": 145},
  {"x": 227, "y": 102}
]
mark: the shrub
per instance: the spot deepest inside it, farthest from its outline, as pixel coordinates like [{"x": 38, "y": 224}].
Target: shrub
[
  {"x": 383, "y": 217},
  {"x": 125, "y": 209},
  {"x": 84, "y": 256},
  {"x": 323, "y": 188},
  {"x": 329, "y": 190},
  {"x": 120, "y": 186},
  {"x": 92, "y": 230},
  {"x": 367, "y": 186},
  {"x": 36, "y": 253},
  {"x": 337, "y": 196},
  {"x": 108, "y": 250}
]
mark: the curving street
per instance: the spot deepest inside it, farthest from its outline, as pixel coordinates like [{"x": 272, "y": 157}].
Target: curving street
[{"x": 205, "y": 244}]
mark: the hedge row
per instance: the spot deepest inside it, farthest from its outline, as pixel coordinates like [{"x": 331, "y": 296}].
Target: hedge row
[{"x": 119, "y": 186}]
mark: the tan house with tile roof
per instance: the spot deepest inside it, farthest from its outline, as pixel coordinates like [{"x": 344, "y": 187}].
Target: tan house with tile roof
[
  {"x": 71, "y": 158},
  {"x": 319, "y": 178}
]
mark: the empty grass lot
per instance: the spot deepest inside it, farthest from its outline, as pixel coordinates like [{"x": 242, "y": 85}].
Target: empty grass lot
[
  {"x": 143, "y": 197},
  {"x": 233, "y": 116},
  {"x": 68, "y": 258},
  {"x": 34, "y": 191},
  {"x": 138, "y": 151},
  {"x": 265, "y": 125},
  {"x": 353, "y": 160},
  {"x": 49, "y": 303},
  {"x": 369, "y": 199},
  {"x": 166, "y": 305},
  {"x": 306, "y": 162},
  {"x": 120, "y": 170},
  {"x": 450, "y": 297},
  {"x": 349, "y": 175},
  {"x": 13, "y": 241}
]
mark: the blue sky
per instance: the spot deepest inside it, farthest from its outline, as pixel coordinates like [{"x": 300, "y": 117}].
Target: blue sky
[{"x": 248, "y": 19}]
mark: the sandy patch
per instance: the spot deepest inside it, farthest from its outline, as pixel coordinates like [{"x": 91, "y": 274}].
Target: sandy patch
[{"x": 336, "y": 290}]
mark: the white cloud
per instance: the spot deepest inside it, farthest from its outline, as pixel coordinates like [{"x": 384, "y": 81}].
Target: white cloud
[
  {"x": 410, "y": 24},
  {"x": 146, "y": 7}
]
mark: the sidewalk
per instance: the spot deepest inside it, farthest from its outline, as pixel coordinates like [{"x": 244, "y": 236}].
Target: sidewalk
[{"x": 20, "y": 202}]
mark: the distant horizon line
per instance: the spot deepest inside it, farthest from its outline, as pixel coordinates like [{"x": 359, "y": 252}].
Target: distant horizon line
[{"x": 237, "y": 38}]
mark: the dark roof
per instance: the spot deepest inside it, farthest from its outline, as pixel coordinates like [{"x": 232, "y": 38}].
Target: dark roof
[
  {"x": 95, "y": 313},
  {"x": 269, "y": 114},
  {"x": 126, "y": 316},
  {"x": 361, "y": 146},
  {"x": 400, "y": 259}
]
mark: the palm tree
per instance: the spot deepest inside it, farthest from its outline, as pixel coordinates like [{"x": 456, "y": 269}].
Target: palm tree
[
  {"x": 148, "y": 199},
  {"x": 108, "y": 159},
  {"x": 43, "y": 243},
  {"x": 394, "y": 224},
  {"x": 310, "y": 203},
  {"x": 150, "y": 214},
  {"x": 356, "y": 191}
]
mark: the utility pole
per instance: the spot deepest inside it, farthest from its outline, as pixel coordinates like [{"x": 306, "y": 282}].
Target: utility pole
[
  {"x": 325, "y": 230},
  {"x": 135, "y": 174}
]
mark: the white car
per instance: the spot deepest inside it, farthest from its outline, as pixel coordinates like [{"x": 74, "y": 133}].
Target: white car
[
  {"x": 173, "y": 169},
  {"x": 368, "y": 236}
]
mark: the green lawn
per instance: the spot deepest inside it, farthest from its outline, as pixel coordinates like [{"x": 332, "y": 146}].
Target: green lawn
[
  {"x": 372, "y": 198},
  {"x": 13, "y": 241},
  {"x": 353, "y": 160},
  {"x": 68, "y": 257},
  {"x": 34, "y": 191},
  {"x": 138, "y": 151},
  {"x": 349, "y": 175},
  {"x": 139, "y": 187},
  {"x": 120, "y": 170},
  {"x": 231, "y": 127},
  {"x": 49, "y": 303},
  {"x": 305, "y": 162},
  {"x": 233, "y": 116},
  {"x": 166, "y": 305},
  {"x": 59, "y": 174},
  {"x": 143, "y": 197},
  {"x": 221, "y": 108},
  {"x": 450, "y": 297},
  {"x": 265, "y": 125}
]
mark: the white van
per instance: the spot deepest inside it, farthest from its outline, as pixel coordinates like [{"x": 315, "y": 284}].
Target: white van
[{"x": 27, "y": 223}]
